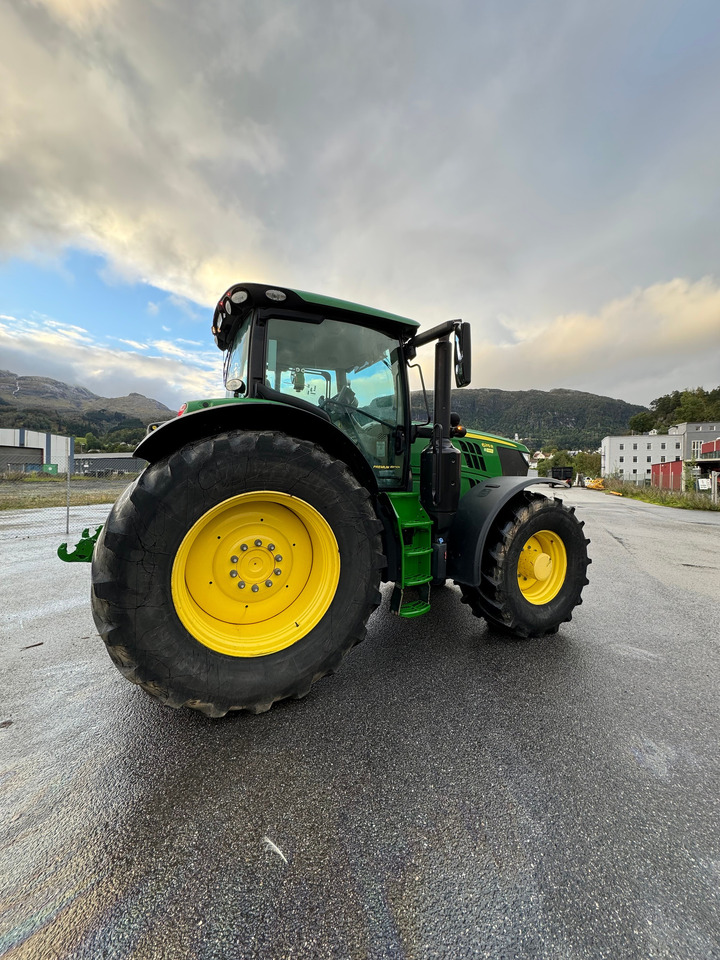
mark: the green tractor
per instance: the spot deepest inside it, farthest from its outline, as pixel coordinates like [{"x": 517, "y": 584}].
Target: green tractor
[{"x": 244, "y": 562}]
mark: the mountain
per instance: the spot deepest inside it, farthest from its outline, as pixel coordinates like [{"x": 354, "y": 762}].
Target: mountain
[
  {"x": 567, "y": 419},
  {"x": 40, "y": 403}
]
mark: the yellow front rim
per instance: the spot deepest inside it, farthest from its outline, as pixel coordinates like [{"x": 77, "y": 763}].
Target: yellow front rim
[
  {"x": 542, "y": 567},
  {"x": 255, "y": 574}
]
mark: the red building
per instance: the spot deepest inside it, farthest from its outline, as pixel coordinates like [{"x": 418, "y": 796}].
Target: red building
[{"x": 668, "y": 476}]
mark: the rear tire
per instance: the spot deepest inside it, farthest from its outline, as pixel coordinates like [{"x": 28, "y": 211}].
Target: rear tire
[
  {"x": 533, "y": 568},
  {"x": 192, "y": 603}
]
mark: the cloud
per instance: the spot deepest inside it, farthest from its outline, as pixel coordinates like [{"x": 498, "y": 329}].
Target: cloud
[
  {"x": 521, "y": 157},
  {"x": 638, "y": 347},
  {"x": 170, "y": 374},
  {"x": 507, "y": 163}
]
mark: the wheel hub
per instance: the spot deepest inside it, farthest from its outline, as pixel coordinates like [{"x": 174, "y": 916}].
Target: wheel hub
[
  {"x": 542, "y": 567},
  {"x": 258, "y": 566},
  {"x": 256, "y": 573},
  {"x": 534, "y": 565}
]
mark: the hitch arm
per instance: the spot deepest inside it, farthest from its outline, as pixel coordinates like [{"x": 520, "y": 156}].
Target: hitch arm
[{"x": 83, "y": 550}]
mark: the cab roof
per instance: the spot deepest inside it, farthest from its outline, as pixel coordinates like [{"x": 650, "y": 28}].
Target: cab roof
[{"x": 238, "y": 298}]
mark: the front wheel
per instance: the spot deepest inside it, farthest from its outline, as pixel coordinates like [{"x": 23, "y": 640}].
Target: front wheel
[
  {"x": 533, "y": 568},
  {"x": 236, "y": 572}
]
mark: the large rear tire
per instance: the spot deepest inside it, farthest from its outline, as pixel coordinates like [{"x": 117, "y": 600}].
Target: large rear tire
[
  {"x": 236, "y": 572},
  {"x": 533, "y": 568}
]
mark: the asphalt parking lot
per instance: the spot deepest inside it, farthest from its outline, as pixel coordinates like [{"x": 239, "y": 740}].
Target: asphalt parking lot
[{"x": 448, "y": 793}]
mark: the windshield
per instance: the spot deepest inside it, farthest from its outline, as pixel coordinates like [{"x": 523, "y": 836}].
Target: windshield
[{"x": 353, "y": 374}]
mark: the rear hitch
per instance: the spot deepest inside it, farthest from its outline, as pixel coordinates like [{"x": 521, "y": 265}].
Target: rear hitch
[{"x": 83, "y": 550}]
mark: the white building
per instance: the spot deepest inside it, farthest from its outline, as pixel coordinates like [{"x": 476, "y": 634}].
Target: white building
[{"x": 631, "y": 457}]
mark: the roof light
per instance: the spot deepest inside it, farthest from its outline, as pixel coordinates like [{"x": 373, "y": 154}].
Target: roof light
[
  {"x": 240, "y": 296},
  {"x": 275, "y": 295}
]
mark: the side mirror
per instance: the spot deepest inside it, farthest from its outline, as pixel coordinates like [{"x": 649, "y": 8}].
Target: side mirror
[{"x": 463, "y": 354}]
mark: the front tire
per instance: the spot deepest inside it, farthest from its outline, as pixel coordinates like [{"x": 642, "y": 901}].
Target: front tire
[
  {"x": 236, "y": 572},
  {"x": 533, "y": 568}
]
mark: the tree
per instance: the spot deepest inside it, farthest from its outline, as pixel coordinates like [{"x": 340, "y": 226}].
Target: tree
[
  {"x": 642, "y": 422},
  {"x": 588, "y": 464},
  {"x": 695, "y": 405}
]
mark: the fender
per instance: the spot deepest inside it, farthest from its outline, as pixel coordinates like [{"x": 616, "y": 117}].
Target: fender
[
  {"x": 256, "y": 415},
  {"x": 473, "y": 520}
]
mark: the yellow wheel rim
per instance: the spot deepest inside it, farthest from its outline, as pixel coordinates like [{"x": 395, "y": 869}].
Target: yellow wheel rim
[
  {"x": 255, "y": 574},
  {"x": 542, "y": 567}
]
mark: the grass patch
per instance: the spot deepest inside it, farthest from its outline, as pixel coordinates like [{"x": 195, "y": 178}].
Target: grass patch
[
  {"x": 51, "y": 498},
  {"x": 21, "y": 495},
  {"x": 32, "y": 478},
  {"x": 664, "y": 498}
]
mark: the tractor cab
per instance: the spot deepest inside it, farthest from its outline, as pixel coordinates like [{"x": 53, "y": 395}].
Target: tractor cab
[{"x": 326, "y": 358}]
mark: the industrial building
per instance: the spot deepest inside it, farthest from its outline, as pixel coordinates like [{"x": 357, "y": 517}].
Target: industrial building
[
  {"x": 24, "y": 451},
  {"x": 633, "y": 457}
]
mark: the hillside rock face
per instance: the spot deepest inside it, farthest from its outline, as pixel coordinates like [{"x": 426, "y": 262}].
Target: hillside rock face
[
  {"x": 43, "y": 393},
  {"x": 47, "y": 405}
]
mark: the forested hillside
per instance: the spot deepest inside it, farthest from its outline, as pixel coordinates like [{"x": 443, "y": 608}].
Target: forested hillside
[
  {"x": 680, "y": 406},
  {"x": 566, "y": 419}
]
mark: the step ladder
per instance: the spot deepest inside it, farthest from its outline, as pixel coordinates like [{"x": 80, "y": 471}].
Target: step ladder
[{"x": 415, "y": 537}]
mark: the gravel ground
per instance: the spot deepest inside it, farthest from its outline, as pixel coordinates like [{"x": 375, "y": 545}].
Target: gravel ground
[{"x": 448, "y": 793}]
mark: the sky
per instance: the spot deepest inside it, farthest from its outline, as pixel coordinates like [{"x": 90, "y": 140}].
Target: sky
[{"x": 546, "y": 170}]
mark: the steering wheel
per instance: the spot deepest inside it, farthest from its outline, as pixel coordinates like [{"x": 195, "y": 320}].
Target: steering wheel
[
  {"x": 351, "y": 409},
  {"x": 346, "y": 403}
]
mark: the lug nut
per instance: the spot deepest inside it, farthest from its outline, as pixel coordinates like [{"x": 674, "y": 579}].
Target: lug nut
[
  {"x": 268, "y": 583},
  {"x": 242, "y": 584},
  {"x": 244, "y": 547},
  {"x": 233, "y": 573},
  {"x": 278, "y": 558},
  {"x": 277, "y": 571},
  {"x": 258, "y": 543},
  {"x": 233, "y": 559},
  {"x": 271, "y": 547},
  {"x": 255, "y": 588}
]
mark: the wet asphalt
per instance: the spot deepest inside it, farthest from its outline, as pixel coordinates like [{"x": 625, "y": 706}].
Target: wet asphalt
[{"x": 448, "y": 793}]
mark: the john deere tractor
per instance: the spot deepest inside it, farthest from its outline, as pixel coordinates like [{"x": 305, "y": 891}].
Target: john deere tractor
[{"x": 244, "y": 562}]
